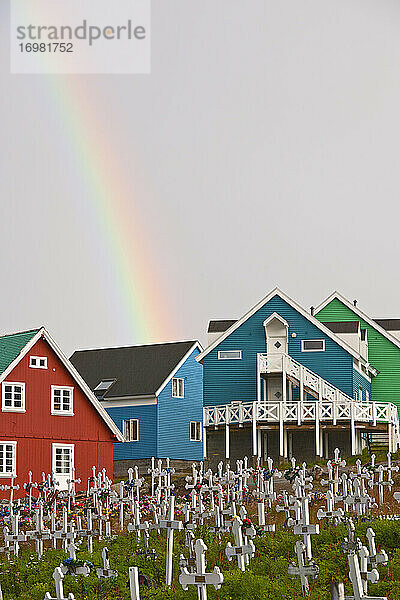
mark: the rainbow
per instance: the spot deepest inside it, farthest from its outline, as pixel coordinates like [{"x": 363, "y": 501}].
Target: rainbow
[
  {"x": 138, "y": 302},
  {"x": 138, "y": 278}
]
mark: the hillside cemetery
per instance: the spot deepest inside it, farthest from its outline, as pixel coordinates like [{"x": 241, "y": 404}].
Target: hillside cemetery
[{"x": 326, "y": 532}]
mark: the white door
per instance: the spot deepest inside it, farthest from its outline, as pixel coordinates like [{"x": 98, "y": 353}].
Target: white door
[
  {"x": 63, "y": 464},
  {"x": 276, "y": 333}
]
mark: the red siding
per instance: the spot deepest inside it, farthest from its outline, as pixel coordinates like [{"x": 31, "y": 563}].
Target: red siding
[{"x": 36, "y": 429}]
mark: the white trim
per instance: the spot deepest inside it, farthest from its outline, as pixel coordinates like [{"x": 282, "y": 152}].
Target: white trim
[
  {"x": 229, "y": 357},
  {"x": 14, "y": 471},
  {"x": 358, "y": 312},
  {"x": 278, "y": 317},
  {"x": 71, "y": 447},
  {"x": 38, "y": 358},
  {"x": 180, "y": 382},
  {"x": 313, "y": 349},
  {"x": 72, "y": 371},
  {"x": 356, "y": 368},
  {"x": 293, "y": 304},
  {"x": 23, "y": 353},
  {"x": 68, "y": 413},
  {"x": 199, "y": 423},
  {"x": 12, "y": 409},
  {"x": 178, "y": 366},
  {"x": 126, "y": 402}
]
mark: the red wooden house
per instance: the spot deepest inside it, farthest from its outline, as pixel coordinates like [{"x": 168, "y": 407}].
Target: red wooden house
[{"x": 51, "y": 422}]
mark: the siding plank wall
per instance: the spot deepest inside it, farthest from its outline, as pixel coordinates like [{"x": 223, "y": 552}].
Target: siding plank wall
[
  {"x": 228, "y": 380},
  {"x": 382, "y": 353},
  {"x": 174, "y": 414},
  {"x": 147, "y": 444}
]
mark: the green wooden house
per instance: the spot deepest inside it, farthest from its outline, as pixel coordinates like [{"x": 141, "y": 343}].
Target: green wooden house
[{"x": 382, "y": 338}]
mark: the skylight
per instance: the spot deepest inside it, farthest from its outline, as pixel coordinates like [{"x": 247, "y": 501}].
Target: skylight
[{"x": 104, "y": 385}]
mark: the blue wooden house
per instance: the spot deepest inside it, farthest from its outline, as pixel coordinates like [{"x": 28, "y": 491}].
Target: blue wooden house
[
  {"x": 154, "y": 394},
  {"x": 277, "y": 382}
]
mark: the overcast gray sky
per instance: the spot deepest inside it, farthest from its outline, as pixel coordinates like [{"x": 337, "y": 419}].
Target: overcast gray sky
[{"x": 262, "y": 150}]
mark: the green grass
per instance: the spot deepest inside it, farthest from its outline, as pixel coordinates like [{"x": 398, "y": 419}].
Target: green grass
[{"x": 26, "y": 578}]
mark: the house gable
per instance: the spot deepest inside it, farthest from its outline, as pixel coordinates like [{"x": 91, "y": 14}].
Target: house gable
[
  {"x": 236, "y": 380},
  {"x": 384, "y": 352},
  {"x": 37, "y": 421},
  {"x": 295, "y": 306}
]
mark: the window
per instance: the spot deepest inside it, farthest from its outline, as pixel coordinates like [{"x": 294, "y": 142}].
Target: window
[
  {"x": 360, "y": 394},
  {"x": 8, "y": 452},
  {"x": 178, "y": 388},
  {"x": 195, "y": 431},
  {"x": 229, "y": 355},
  {"x": 13, "y": 397},
  {"x": 130, "y": 430},
  {"x": 38, "y": 362},
  {"x": 62, "y": 460},
  {"x": 312, "y": 345},
  {"x": 61, "y": 400},
  {"x": 102, "y": 387}
]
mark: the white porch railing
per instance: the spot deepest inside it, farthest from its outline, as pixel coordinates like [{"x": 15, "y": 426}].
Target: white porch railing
[
  {"x": 317, "y": 412},
  {"x": 237, "y": 413}
]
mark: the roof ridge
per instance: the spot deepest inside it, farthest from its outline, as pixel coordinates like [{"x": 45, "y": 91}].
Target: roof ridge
[
  {"x": 34, "y": 330},
  {"x": 127, "y": 347}
]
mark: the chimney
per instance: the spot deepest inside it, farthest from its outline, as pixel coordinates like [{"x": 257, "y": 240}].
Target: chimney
[
  {"x": 355, "y": 302},
  {"x": 312, "y": 311}
]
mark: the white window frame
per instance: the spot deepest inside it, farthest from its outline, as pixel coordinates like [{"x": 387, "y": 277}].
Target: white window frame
[
  {"x": 313, "y": 349},
  {"x": 14, "y": 465},
  {"x": 37, "y": 358},
  {"x": 127, "y": 423},
  {"x": 53, "y": 461},
  {"x": 179, "y": 393},
  {"x": 200, "y": 426},
  {"x": 239, "y": 357},
  {"x": 360, "y": 393},
  {"x": 366, "y": 396},
  {"x": 67, "y": 413},
  {"x": 5, "y": 408}
]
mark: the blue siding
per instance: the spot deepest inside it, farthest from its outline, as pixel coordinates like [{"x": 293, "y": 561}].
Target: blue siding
[
  {"x": 175, "y": 414},
  {"x": 227, "y": 380},
  {"x": 146, "y": 447},
  {"x": 359, "y": 379}
]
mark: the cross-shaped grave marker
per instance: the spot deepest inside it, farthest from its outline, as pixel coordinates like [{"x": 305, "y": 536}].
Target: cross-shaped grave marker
[
  {"x": 58, "y": 580},
  {"x": 241, "y": 549},
  {"x": 304, "y": 568},
  {"x": 375, "y": 558},
  {"x": 352, "y": 547},
  {"x": 170, "y": 525},
  {"x": 200, "y": 578},
  {"x": 330, "y": 512},
  {"x": 105, "y": 572}
]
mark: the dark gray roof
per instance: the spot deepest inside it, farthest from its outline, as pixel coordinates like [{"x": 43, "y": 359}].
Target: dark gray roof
[
  {"x": 138, "y": 370},
  {"x": 389, "y": 324},
  {"x": 343, "y": 326},
  {"x": 220, "y": 326}
]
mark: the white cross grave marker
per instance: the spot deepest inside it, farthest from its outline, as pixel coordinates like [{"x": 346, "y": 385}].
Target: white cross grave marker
[
  {"x": 302, "y": 569},
  {"x": 200, "y": 577},
  {"x": 58, "y": 580},
  {"x": 241, "y": 550}
]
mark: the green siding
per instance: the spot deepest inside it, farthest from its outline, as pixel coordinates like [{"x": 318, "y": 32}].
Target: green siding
[
  {"x": 382, "y": 353},
  {"x": 12, "y": 345}
]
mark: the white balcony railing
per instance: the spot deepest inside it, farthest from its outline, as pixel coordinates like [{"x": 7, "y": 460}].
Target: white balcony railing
[{"x": 237, "y": 413}]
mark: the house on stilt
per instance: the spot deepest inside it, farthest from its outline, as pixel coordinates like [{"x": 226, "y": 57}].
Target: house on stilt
[{"x": 277, "y": 382}]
